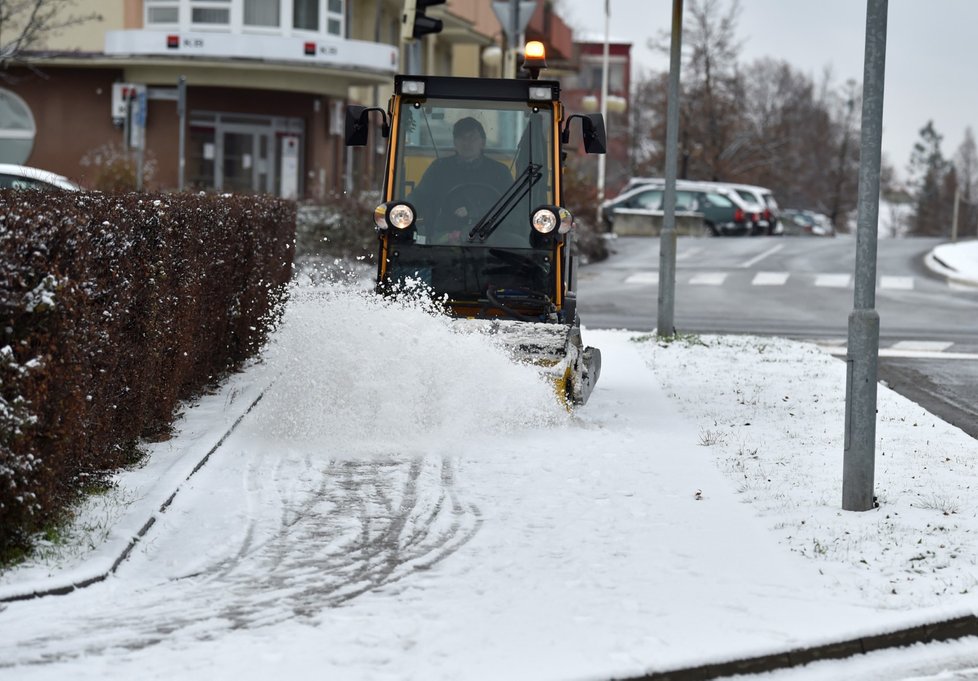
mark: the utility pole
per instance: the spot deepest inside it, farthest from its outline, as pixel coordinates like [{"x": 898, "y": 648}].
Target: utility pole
[
  {"x": 666, "y": 325},
  {"x": 862, "y": 354}
]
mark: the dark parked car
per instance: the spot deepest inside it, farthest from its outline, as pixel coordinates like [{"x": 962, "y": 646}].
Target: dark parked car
[
  {"x": 806, "y": 223},
  {"x": 723, "y": 211},
  {"x": 759, "y": 201}
]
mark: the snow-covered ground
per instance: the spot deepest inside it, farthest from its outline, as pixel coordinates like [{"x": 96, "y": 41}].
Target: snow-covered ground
[
  {"x": 957, "y": 261},
  {"x": 404, "y": 502}
]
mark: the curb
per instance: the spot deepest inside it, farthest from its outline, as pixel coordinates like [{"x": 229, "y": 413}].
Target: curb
[
  {"x": 101, "y": 574},
  {"x": 956, "y": 628}
]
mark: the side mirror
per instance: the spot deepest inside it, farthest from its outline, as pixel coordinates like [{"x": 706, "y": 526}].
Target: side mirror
[
  {"x": 592, "y": 129},
  {"x": 595, "y": 138},
  {"x": 357, "y": 124}
]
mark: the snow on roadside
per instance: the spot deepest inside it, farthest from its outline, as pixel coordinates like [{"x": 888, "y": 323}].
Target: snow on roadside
[
  {"x": 771, "y": 413},
  {"x": 961, "y": 258}
]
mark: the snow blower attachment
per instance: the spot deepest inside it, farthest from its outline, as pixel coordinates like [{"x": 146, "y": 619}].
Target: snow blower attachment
[{"x": 473, "y": 209}]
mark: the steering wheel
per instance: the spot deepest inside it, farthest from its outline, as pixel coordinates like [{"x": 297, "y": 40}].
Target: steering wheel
[{"x": 465, "y": 204}]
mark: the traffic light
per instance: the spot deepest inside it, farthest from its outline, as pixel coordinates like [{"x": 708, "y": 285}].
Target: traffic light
[{"x": 414, "y": 23}]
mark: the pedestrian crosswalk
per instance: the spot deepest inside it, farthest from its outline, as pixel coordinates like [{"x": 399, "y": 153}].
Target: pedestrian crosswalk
[
  {"x": 906, "y": 349},
  {"x": 837, "y": 280}
]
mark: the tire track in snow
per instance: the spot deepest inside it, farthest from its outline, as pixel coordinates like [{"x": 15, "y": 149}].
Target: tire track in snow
[{"x": 363, "y": 526}]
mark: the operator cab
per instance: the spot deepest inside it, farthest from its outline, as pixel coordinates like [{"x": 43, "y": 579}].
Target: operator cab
[{"x": 472, "y": 194}]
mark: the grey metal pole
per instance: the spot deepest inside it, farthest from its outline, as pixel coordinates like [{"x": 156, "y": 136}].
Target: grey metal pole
[
  {"x": 514, "y": 37},
  {"x": 182, "y": 139},
  {"x": 603, "y": 158},
  {"x": 667, "y": 237},
  {"x": 862, "y": 356}
]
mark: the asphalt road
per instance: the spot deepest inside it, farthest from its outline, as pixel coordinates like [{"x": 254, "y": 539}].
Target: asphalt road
[{"x": 802, "y": 288}]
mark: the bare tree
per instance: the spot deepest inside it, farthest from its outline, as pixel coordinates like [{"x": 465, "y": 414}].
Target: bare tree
[
  {"x": 24, "y": 24},
  {"x": 713, "y": 87}
]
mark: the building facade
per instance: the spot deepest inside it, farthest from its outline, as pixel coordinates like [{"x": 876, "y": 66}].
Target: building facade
[
  {"x": 266, "y": 84},
  {"x": 582, "y": 92}
]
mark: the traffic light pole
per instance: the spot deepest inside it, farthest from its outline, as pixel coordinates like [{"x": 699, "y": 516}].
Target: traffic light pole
[{"x": 862, "y": 354}]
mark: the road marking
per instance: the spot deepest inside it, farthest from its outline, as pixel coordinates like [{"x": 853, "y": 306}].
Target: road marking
[
  {"x": 688, "y": 253},
  {"x": 897, "y": 352},
  {"x": 898, "y": 283},
  {"x": 770, "y": 278},
  {"x": 643, "y": 278},
  {"x": 921, "y": 346},
  {"x": 757, "y": 258},
  {"x": 832, "y": 280},
  {"x": 708, "y": 278},
  {"x": 957, "y": 286}
]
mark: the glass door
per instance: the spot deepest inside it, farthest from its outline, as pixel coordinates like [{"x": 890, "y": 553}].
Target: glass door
[{"x": 245, "y": 162}]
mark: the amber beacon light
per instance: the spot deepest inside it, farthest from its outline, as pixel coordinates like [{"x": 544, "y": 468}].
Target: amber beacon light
[{"x": 534, "y": 58}]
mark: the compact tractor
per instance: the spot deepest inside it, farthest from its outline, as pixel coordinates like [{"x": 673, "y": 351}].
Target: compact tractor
[{"x": 473, "y": 207}]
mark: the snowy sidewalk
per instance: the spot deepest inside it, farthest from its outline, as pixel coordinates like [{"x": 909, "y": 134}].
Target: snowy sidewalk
[{"x": 447, "y": 523}]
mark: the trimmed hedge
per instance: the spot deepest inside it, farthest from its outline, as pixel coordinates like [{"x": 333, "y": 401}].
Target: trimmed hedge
[{"x": 113, "y": 309}]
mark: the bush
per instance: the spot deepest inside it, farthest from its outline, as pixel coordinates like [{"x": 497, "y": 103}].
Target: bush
[
  {"x": 114, "y": 167},
  {"x": 114, "y": 308},
  {"x": 341, "y": 226}
]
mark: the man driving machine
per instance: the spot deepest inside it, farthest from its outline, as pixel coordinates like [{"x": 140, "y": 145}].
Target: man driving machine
[{"x": 455, "y": 191}]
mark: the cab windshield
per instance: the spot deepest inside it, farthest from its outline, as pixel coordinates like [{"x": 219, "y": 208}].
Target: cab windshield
[{"x": 474, "y": 170}]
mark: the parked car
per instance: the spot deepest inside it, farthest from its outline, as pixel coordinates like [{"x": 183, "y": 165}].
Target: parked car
[
  {"x": 24, "y": 177},
  {"x": 760, "y": 201},
  {"x": 806, "y": 223},
  {"x": 723, "y": 211},
  {"x": 767, "y": 206}
]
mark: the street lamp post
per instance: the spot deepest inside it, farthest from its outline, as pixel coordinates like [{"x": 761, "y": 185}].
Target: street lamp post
[
  {"x": 602, "y": 158},
  {"x": 862, "y": 354}
]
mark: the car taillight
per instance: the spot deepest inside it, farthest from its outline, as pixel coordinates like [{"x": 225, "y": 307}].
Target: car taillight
[
  {"x": 738, "y": 215},
  {"x": 767, "y": 213}
]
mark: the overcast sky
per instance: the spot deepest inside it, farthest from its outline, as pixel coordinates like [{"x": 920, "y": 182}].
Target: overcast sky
[{"x": 930, "y": 62}]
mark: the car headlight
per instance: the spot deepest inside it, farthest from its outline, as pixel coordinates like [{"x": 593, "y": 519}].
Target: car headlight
[
  {"x": 394, "y": 214},
  {"x": 548, "y": 218}
]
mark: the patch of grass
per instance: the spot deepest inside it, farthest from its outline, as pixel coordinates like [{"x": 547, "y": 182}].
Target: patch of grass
[
  {"x": 685, "y": 339},
  {"x": 709, "y": 438},
  {"x": 937, "y": 502}
]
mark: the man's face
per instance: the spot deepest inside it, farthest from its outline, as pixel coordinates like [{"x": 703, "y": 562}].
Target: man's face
[{"x": 469, "y": 145}]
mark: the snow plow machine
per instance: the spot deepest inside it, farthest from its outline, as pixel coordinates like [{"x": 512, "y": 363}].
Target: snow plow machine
[{"x": 473, "y": 209}]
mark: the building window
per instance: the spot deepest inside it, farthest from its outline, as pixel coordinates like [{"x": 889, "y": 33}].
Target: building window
[
  {"x": 17, "y": 128},
  {"x": 210, "y": 12},
  {"x": 162, "y": 12},
  {"x": 334, "y": 17},
  {"x": 305, "y": 14},
  {"x": 261, "y": 13}
]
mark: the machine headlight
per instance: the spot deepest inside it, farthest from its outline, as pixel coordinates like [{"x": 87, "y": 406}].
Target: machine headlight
[
  {"x": 394, "y": 214},
  {"x": 548, "y": 218},
  {"x": 545, "y": 220},
  {"x": 400, "y": 215}
]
